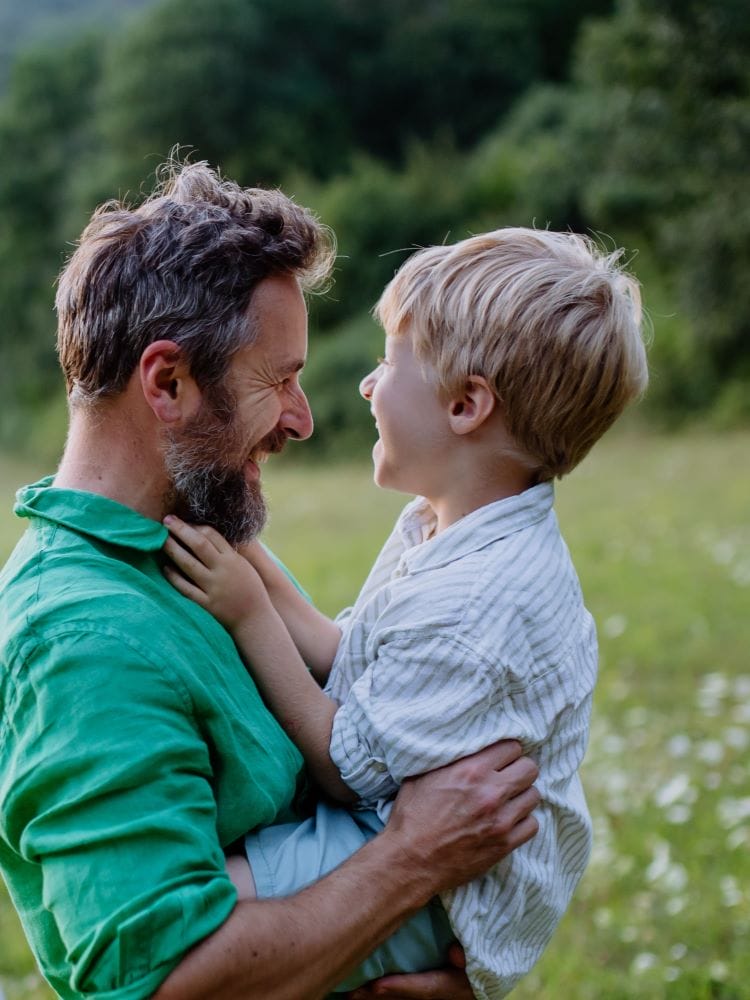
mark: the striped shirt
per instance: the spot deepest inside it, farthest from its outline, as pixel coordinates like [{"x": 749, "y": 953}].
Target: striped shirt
[{"x": 458, "y": 640}]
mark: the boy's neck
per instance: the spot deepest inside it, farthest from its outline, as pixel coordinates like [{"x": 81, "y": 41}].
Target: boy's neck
[{"x": 477, "y": 489}]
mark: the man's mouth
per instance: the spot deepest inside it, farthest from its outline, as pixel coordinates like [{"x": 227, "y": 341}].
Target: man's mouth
[
  {"x": 271, "y": 444},
  {"x": 252, "y": 470}
]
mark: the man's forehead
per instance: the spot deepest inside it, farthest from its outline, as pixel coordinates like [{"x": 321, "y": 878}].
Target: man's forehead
[{"x": 277, "y": 295}]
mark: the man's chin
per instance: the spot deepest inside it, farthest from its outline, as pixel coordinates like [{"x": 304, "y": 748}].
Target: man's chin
[{"x": 236, "y": 509}]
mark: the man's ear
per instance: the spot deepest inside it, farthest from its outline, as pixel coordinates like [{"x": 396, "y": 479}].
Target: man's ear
[
  {"x": 168, "y": 387},
  {"x": 470, "y": 409}
]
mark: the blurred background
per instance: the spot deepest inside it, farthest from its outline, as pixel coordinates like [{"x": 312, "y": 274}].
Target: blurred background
[
  {"x": 402, "y": 124},
  {"x": 410, "y": 122}
]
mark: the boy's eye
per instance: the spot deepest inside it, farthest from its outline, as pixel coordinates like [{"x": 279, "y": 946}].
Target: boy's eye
[{"x": 382, "y": 361}]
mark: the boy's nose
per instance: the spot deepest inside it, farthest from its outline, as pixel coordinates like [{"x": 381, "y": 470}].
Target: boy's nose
[{"x": 366, "y": 385}]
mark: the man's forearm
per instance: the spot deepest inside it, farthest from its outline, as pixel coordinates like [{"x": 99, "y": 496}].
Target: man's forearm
[
  {"x": 299, "y": 947},
  {"x": 446, "y": 827}
]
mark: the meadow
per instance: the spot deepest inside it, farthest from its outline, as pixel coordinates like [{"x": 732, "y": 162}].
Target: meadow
[{"x": 659, "y": 527}]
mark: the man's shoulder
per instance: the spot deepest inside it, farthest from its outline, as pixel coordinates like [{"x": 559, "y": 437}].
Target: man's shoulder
[
  {"x": 54, "y": 575},
  {"x": 70, "y": 606}
]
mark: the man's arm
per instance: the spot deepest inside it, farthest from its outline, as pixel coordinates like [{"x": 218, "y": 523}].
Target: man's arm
[{"x": 446, "y": 828}]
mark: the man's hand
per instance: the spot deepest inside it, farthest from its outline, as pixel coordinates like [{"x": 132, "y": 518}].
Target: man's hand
[
  {"x": 443, "y": 984},
  {"x": 458, "y": 821},
  {"x": 461, "y": 819}
]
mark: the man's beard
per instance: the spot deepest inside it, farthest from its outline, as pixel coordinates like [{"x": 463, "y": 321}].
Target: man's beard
[{"x": 205, "y": 463}]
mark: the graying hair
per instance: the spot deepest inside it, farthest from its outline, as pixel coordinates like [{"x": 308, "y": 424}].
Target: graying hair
[{"x": 182, "y": 266}]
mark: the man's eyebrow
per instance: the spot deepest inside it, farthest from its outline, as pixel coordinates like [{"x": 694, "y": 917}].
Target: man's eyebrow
[{"x": 290, "y": 367}]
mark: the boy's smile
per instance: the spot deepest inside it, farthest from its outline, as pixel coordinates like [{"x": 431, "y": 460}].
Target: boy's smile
[{"x": 412, "y": 422}]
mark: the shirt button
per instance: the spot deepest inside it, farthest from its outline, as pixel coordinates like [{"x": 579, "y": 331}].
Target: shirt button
[{"x": 379, "y": 766}]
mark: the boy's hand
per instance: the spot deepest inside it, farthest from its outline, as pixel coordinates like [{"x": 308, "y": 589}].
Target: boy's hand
[
  {"x": 257, "y": 556},
  {"x": 442, "y": 984},
  {"x": 212, "y": 574}
]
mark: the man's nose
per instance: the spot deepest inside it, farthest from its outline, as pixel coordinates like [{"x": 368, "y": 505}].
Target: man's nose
[{"x": 297, "y": 419}]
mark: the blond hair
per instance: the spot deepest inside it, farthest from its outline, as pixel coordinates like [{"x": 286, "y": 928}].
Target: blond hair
[{"x": 549, "y": 319}]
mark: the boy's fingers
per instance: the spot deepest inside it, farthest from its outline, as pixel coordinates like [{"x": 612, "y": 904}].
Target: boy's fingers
[
  {"x": 217, "y": 540},
  {"x": 185, "y": 587},
  {"x": 443, "y": 984},
  {"x": 202, "y": 539},
  {"x": 457, "y": 956},
  {"x": 185, "y": 560}
]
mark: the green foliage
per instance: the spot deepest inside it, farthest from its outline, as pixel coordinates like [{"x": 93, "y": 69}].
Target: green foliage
[
  {"x": 374, "y": 104},
  {"x": 24, "y": 24},
  {"x": 405, "y": 125},
  {"x": 381, "y": 214},
  {"x": 673, "y": 159},
  {"x": 42, "y": 133},
  {"x": 338, "y": 363}
]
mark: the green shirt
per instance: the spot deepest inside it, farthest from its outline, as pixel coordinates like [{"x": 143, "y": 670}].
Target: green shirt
[{"x": 134, "y": 746}]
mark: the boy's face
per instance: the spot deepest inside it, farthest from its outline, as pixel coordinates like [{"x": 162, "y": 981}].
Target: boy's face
[{"x": 411, "y": 420}]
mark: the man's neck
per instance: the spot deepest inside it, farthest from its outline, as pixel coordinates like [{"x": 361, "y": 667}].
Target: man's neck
[{"x": 107, "y": 453}]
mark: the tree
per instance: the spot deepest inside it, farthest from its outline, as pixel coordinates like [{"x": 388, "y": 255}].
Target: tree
[{"x": 43, "y": 134}]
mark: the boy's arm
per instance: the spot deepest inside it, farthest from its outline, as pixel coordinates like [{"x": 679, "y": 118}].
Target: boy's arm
[
  {"x": 426, "y": 700},
  {"x": 314, "y": 634},
  {"x": 221, "y": 581}
]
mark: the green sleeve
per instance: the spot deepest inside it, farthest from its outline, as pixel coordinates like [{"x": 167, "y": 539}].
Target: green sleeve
[{"x": 107, "y": 788}]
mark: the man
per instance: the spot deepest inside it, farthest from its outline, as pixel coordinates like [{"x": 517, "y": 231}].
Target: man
[{"x": 135, "y": 749}]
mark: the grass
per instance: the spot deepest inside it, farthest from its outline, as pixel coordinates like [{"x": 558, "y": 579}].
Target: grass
[{"x": 659, "y": 530}]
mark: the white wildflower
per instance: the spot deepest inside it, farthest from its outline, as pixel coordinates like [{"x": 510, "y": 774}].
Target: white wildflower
[
  {"x": 738, "y": 838},
  {"x": 710, "y": 752},
  {"x": 719, "y": 971},
  {"x": 679, "y": 814},
  {"x": 643, "y": 962},
  {"x": 736, "y": 737},
  {"x": 733, "y": 811},
  {"x": 614, "y": 626},
  {"x": 675, "y": 905},
  {"x": 730, "y": 891},
  {"x": 679, "y": 745},
  {"x": 673, "y": 791}
]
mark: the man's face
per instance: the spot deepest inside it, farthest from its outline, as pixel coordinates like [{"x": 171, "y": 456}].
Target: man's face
[{"x": 213, "y": 462}]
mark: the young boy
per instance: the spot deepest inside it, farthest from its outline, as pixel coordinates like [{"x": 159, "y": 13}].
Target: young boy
[{"x": 507, "y": 356}]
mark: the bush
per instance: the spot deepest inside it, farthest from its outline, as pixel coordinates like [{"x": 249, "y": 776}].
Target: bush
[{"x": 343, "y": 423}]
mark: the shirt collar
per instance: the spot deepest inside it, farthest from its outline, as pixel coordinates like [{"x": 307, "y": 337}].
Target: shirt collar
[
  {"x": 90, "y": 514},
  {"x": 480, "y": 528}
]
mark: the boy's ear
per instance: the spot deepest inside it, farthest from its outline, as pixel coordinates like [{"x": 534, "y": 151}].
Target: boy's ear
[
  {"x": 470, "y": 409},
  {"x": 168, "y": 387}
]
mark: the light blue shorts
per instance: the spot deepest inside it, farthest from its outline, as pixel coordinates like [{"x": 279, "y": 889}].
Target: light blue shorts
[{"x": 290, "y": 856}]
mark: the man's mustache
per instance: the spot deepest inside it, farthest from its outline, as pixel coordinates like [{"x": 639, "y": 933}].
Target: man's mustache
[{"x": 271, "y": 444}]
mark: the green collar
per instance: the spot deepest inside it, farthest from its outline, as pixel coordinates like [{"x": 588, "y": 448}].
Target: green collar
[{"x": 90, "y": 514}]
